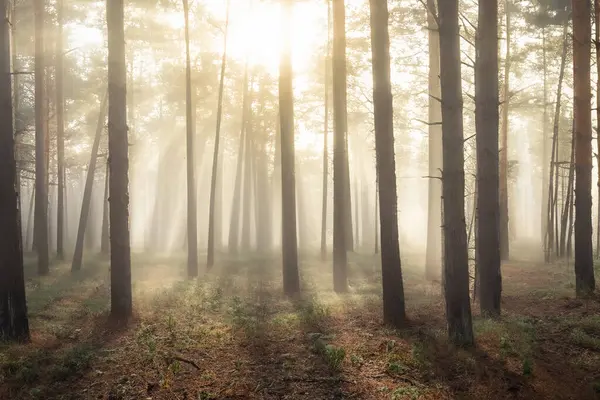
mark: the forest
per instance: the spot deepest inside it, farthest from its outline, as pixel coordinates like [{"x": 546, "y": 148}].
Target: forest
[{"x": 299, "y": 199}]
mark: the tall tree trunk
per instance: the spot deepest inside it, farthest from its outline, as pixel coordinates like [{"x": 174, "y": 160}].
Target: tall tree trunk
[
  {"x": 550, "y": 233},
  {"x": 14, "y": 324},
  {"x": 248, "y": 173},
  {"x": 486, "y": 124},
  {"x": 210, "y": 257},
  {"x": 545, "y": 177},
  {"x": 105, "y": 238},
  {"x": 564, "y": 226},
  {"x": 597, "y": 43},
  {"x": 192, "y": 220},
  {"x": 433, "y": 262},
  {"x": 234, "y": 224},
  {"x": 289, "y": 241},
  {"x": 340, "y": 203},
  {"x": 30, "y": 217},
  {"x": 377, "y": 217},
  {"x": 393, "y": 291},
  {"x": 120, "y": 254},
  {"x": 264, "y": 222},
  {"x": 60, "y": 132},
  {"x": 582, "y": 35},
  {"x": 504, "y": 237},
  {"x": 325, "y": 141},
  {"x": 456, "y": 264},
  {"x": 41, "y": 197},
  {"x": 87, "y": 191}
]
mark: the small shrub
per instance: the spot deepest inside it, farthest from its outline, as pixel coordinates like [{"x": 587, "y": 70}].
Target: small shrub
[
  {"x": 581, "y": 338},
  {"x": 313, "y": 314},
  {"x": 396, "y": 367},
  {"x": 356, "y": 360},
  {"x": 406, "y": 392},
  {"x": 334, "y": 356},
  {"x": 527, "y": 367}
]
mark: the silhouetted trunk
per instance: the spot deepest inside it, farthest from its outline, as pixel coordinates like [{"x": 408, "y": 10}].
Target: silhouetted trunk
[
  {"x": 30, "y": 216},
  {"x": 234, "y": 225},
  {"x": 60, "y": 131},
  {"x": 192, "y": 220},
  {"x": 247, "y": 193},
  {"x": 550, "y": 233},
  {"x": 212, "y": 232},
  {"x": 545, "y": 170},
  {"x": 504, "y": 249},
  {"x": 356, "y": 219},
  {"x": 456, "y": 263},
  {"x": 105, "y": 238},
  {"x": 433, "y": 262},
  {"x": 393, "y": 291},
  {"x": 87, "y": 191},
  {"x": 340, "y": 202},
  {"x": 486, "y": 124},
  {"x": 582, "y": 35},
  {"x": 289, "y": 242},
  {"x": 263, "y": 198},
  {"x": 325, "y": 141},
  {"x": 597, "y": 43},
  {"x": 41, "y": 196},
  {"x": 120, "y": 254},
  {"x": 564, "y": 226},
  {"x": 14, "y": 324}
]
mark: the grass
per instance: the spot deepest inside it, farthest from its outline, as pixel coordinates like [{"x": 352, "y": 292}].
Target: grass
[{"x": 231, "y": 333}]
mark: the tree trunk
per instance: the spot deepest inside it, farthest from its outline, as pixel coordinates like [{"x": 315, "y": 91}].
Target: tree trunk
[
  {"x": 325, "y": 141},
  {"x": 584, "y": 266},
  {"x": 30, "y": 217},
  {"x": 564, "y": 223},
  {"x": 87, "y": 191},
  {"x": 597, "y": 43},
  {"x": 550, "y": 234},
  {"x": 192, "y": 220},
  {"x": 393, "y": 291},
  {"x": 210, "y": 257},
  {"x": 340, "y": 202},
  {"x": 14, "y": 324},
  {"x": 41, "y": 197},
  {"x": 376, "y": 217},
  {"x": 60, "y": 131},
  {"x": 433, "y": 262},
  {"x": 289, "y": 242},
  {"x": 486, "y": 124},
  {"x": 545, "y": 177},
  {"x": 247, "y": 193},
  {"x": 456, "y": 264},
  {"x": 120, "y": 254},
  {"x": 234, "y": 224},
  {"x": 105, "y": 238},
  {"x": 264, "y": 222},
  {"x": 504, "y": 248}
]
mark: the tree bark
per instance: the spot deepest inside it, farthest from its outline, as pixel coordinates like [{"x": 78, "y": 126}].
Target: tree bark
[
  {"x": 340, "y": 155},
  {"x": 394, "y": 312},
  {"x": 487, "y": 124},
  {"x": 212, "y": 232},
  {"x": 289, "y": 241},
  {"x": 584, "y": 266},
  {"x": 41, "y": 197},
  {"x": 456, "y": 263},
  {"x": 433, "y": 262},
  {"x": 120, "y": 255},
  {"x": 105, "y": 238},
  {"x": 87, "y": 191},
  {"x": 60, "y": 132},
  {"x": 597, "y": 43},
  {"x": 14, "y": 324},
  {"x": 248, "y": 173},
  {"x": 545, "y": 177}
]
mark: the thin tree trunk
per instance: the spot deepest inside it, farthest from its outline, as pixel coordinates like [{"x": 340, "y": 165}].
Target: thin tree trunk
[
  {"x": 289, "y": 242},
  {"x": 41, "y": 198},
  {"x": 433, "y": 262},
  {"x": 597, "y": 43},
  {"x": 30, "y": 217},
  {"x": 504, "y": 237},
  {"x": 105, "y": 238},
  {"x": 341, "y": 240},
  {"x": 584, "y": 265},
  {"x": 564, "y": 227},
  {"x": 87, "y": 191},
  {"x": 549, "y": 248},
  {"x": 394, "y": 312},
  {"x": 545, "y": 177},
  {"x": 247, "y": 193},
  {"x": 234, "y": 224},
  {"x": 192, "y": 220},
  {"x": 210, "y": 258},
  {"x": 456, "y": 265},
  {"x": 377, "y": 217},
  {"x": 60, "y": 130},
  {"x": 325, "y": 141},
  {"x": 487, "y": 124},
  {"x": 120, "y": 253},
  {"x": 264, "y": 222},
  {"x": 14, "y": 324}
]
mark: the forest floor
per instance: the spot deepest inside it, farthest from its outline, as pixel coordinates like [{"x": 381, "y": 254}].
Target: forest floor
[{"x": 232, "y": 335}]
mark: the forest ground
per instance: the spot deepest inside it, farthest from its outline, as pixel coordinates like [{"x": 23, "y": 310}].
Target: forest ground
[{"x": 232, "y": 335}]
